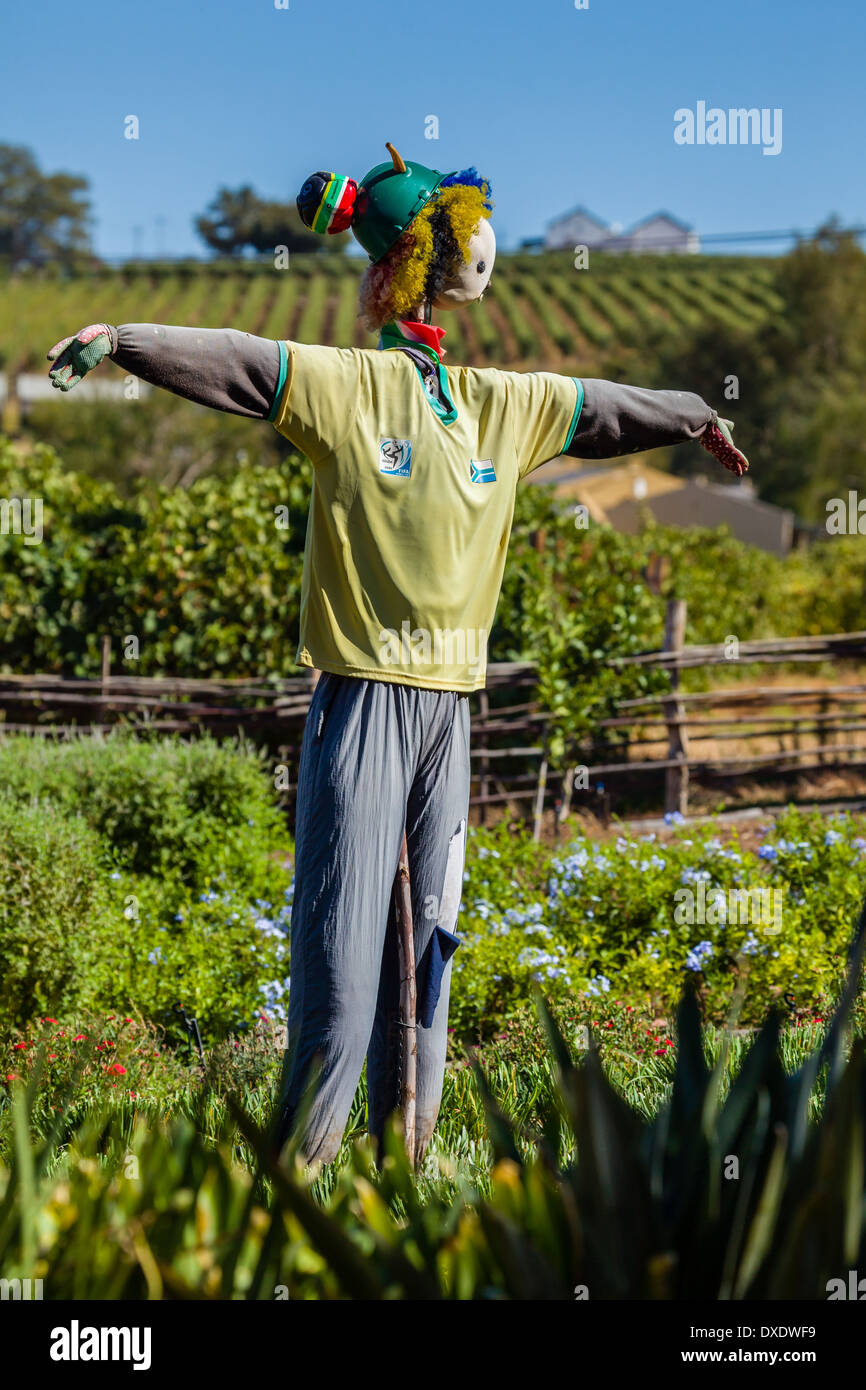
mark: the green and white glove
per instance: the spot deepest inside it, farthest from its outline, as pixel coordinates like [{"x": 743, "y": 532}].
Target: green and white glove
[{"x": 74, "y": 357}]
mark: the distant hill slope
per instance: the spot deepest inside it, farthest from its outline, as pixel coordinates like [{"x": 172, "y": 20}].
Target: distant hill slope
[{"x": 539, "y": 313}]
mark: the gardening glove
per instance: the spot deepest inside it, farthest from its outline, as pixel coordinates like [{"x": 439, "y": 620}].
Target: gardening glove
[
  {"x": 74, "y": 357},
  {"x": 717, "y": 440}
]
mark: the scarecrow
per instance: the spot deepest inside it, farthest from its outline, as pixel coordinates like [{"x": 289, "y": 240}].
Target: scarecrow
[{"x": 415, "y": 470}]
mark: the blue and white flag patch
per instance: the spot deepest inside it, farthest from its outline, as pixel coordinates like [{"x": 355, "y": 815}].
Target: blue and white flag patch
[
  {"x": 482, "y": 471},
  {"x": 395, "y": 457}
]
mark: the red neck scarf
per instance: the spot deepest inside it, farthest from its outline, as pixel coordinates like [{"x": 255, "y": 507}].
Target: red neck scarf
[{"x": 426, "y": 334}]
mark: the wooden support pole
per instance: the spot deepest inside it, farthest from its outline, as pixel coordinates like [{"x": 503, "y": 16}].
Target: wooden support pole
[
  {"x": 484, "y": 784},
  {"x": 676, "y": 777},
  {"x": 408, "y": 1027}
]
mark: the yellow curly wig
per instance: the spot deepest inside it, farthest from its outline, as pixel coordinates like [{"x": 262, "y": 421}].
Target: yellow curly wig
[{"x": 426, "y": 255}]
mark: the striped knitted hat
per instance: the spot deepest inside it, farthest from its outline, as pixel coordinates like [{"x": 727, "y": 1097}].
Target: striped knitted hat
[
  {"x": 378, "y": 210},
  {"x": 328, "y": 202}
]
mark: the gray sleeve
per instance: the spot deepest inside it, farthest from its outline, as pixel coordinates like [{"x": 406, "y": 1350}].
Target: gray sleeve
[
  {"x": 219, "y": 367},
  {"x": 619, "y": 420}
]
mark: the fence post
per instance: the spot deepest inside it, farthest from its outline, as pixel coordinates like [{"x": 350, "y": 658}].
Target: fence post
[
  {"x": 106, "y": 663},
  {"x": 676, "y": 778}
]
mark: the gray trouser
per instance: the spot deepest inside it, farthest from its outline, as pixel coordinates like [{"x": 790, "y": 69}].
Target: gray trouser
[{"x": 376, "y": 758}]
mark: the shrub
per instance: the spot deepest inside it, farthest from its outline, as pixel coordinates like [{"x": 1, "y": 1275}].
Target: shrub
[
  {"x": 139, "y": 875},
  {"x": 631, "y": 918},
  {"x": 186, "y": 810},
  {"x": 54, "y": 908}
]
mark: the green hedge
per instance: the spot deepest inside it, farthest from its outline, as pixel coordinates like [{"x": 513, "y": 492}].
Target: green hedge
[
  {"x": 208, "y": 580},
  {"x": 209, "y": 583},
  {"x": 136, "y": 876}
]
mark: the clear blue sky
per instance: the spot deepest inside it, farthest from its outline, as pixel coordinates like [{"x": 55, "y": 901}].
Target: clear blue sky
[{"x": 557, "y": 106}]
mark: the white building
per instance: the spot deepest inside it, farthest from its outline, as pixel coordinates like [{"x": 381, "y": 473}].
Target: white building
[
  {"x": 660, "y": 232},
  {"x": 577, "y": 228},
  {"x": 663, "y": 232}
]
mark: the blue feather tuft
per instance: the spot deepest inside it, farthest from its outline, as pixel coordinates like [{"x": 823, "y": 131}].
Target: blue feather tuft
[{"x": 472, "y": 179}]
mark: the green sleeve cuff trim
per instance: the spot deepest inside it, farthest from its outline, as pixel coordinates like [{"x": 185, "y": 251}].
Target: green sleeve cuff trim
[
  {"x": 284, "y": 368},
  {"x": 576, "y": 416}
]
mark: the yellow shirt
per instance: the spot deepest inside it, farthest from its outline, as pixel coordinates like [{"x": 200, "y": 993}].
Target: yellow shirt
[{"x": 412, "y": 506}]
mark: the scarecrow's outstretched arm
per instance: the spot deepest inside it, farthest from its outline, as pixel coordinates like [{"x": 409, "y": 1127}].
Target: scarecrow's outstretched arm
[
  {"x": 218, "y": 367},
  {"x": 618, "y": 420}
]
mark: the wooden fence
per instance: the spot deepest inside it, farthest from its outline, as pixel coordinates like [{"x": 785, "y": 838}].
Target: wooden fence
[{"x": 671, "y": 738}]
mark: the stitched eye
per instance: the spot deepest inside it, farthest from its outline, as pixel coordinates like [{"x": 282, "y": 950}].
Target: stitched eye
[{"x": 481, "y": 267}]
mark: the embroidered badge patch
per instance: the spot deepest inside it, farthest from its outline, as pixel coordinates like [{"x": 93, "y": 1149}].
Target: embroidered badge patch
[
  {"x": 395, "y": 457},
  {"x": 482, "y": 471}
]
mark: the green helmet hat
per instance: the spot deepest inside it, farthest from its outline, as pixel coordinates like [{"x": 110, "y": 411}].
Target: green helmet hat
[{"x": 378, "y": 210}]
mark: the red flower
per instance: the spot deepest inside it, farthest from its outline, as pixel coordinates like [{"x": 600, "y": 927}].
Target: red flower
[
  {"x": 660, "y": 1052},
  {"x": 121, "y": 1071},
  {"x": 12, "y": 1076},
  {"x": 80, "y": 1037},
  {"x": 18, "y": 1047}
]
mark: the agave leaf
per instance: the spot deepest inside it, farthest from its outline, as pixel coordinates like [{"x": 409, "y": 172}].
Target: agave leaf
[
  {"x": 763, "y": 1225},
  {"x": 713, "y": 1101},
  {"x": 854, "y": 1181},
  {"x": 525, "y": 1272},
  {"x": 680, "y": 1148},
  {"x": 759, "y": 1071},
  {"x": 27, "y": 1208},
  {"x": 832, "y": 1049},
  {"x": 341, "y": 1252},
  {"x": 611, "y": 1184},
  {"x": 691, "y": 1073}
]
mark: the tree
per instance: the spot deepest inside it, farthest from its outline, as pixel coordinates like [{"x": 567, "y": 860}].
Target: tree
[
  {"x": 44, "y": 218},
  {"x": 238, "y": 218},
  {"x": 799, "y": 405},
  {"x": 279, "y": 224},
  {"x": 226, "y": 223}
]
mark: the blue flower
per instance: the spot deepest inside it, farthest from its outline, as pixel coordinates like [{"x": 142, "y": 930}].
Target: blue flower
[
  {"x": 674, "y": 818},
  {"x": 697, "y": 955},
  {"x": 768, "y": 852},
  {"x": 599, "y": 985},
  {"x": 695, "y": 876}
]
